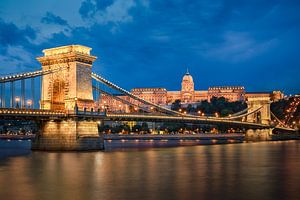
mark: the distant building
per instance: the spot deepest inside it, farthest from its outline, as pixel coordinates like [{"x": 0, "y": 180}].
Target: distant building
[
  {"x": 277, "y": 95},
  {"x": 154, "y": 95},
  {"x": 231, "y": 93},
  {"x": 187, "y": 95}
]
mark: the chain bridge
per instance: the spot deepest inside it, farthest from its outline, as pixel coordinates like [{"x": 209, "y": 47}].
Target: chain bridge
[{"x": 67, "y": 104}]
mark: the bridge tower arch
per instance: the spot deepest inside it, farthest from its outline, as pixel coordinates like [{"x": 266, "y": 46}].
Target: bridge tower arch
[
  {"x": 263, "y": 115},
  {"x": 69, "y": 82}
]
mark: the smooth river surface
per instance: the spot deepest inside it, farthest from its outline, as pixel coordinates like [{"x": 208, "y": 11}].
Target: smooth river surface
[{"x": 259, "y": 171}]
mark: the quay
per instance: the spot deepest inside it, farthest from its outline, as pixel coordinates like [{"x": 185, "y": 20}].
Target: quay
[
  {"x": 238, "y": 136},
  {"x": 113, "y": 141}
]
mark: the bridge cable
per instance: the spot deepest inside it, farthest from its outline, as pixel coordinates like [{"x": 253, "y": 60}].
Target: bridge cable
[
  {"x": 118, "y": 98},
  {"x": 112, "y": 85}
]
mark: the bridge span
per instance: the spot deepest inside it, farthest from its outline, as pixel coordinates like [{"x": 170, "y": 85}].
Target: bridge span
[
  {"x": 69, "y": 114},
  {"x": 41, "y": 114}
]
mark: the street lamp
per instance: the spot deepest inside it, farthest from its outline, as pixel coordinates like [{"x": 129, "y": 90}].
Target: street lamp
[
  {"x": 75, "y": 106},
  {"x": 29, "y": 103},
  {"x": 17, "y": 100}
]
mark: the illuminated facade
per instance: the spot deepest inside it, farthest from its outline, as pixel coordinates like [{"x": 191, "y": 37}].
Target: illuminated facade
[
  {"x": 232, "y": 93},
  {"x": 187, "y": 95},
  {"x": 71, "y": 84},
  {"x": 154, "y": 95}
]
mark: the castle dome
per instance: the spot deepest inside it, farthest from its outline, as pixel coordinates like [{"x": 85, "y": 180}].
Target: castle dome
[{"x": 187, "y": 77}]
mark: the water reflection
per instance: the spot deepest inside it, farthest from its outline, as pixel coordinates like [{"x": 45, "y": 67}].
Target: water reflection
[{"x": 266, "y": 170}]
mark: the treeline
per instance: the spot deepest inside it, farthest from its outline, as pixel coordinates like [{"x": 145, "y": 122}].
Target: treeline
[
  {"x": 125, "y": 128},
  {"x": 216, "y": 105}
]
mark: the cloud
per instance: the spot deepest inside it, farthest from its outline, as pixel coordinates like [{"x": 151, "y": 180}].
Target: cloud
[
  {"x": 10, "y": 34},
  {"x": 16, "y": 59},
  {"x": 153, "y": 39},
  {"x": 108, "y": 12},
  {"x": 50, "y": 18},
  {"x": 237, "y": 47},
  {"x": 45, "y": 18},
  {"x": 87, "y": 9},
  {"x": 102, "y": 4}
]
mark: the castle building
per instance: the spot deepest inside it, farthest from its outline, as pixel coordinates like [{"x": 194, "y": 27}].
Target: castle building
[
  {"x": 154, "y": 95},
  {"x": 187, "y": 95},
  {"x": 231, "y": 93}
]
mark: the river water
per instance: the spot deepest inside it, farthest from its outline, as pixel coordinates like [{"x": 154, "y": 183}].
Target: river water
[{"x": 262, "y": 170}]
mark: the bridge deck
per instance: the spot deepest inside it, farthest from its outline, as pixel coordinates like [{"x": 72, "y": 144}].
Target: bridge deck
[{"x": 40, "y": 114}]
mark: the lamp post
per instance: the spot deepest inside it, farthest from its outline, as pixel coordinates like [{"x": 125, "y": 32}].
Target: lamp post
[
  {"x": 76, "y": 106},
  {"x": 29, "y": 103},
  {"x": 17, "y": 99}
]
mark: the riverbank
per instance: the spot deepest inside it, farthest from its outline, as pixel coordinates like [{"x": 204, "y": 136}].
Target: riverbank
[
  {"x": 115, "y": 141},
  {"x": 140, "y": 141}
]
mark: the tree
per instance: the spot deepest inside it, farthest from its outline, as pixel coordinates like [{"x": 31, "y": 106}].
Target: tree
[
  {"x": 190, "y": 109},
  {"x": 144, "y": 127},
  {"x": 221, "y": 106},
  {"x": 176, "y": 105}
]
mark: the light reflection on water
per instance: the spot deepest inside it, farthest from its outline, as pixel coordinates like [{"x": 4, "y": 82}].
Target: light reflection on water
[{"x": 265, "y": 170}]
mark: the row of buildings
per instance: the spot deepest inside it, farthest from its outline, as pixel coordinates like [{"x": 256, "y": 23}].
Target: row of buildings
[{"x": 187, "y": 95}]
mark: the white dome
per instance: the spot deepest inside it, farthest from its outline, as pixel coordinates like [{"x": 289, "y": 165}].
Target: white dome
[{"x": 187, "y": 78}]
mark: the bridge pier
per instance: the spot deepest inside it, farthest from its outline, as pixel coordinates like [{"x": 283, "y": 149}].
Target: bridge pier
[
  {"x": 259, "y": 134},
  {"x": 68, "y": 135}
]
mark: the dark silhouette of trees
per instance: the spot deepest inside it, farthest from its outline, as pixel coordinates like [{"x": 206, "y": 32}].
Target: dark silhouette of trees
[
  {"x": 221, "y": 106},
  {"x": 176, "y": 105}
]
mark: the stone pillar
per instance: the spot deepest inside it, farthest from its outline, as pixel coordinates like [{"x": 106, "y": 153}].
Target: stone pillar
[
  {"x": 69, "y": 81},
  {"x": 72, "y": 134},
  {"x": 258, "y": 134},
  {"x": 263, "y": 116}
]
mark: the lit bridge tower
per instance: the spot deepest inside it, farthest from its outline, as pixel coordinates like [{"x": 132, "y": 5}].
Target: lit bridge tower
[
  {"x": 69, "y": 84},
  {"x": 261, "y": 104}
]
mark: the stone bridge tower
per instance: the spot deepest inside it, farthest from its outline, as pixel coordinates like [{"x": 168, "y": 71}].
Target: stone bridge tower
[
  {"x": 70, "y": 82},
  {"x": 264, "y": 114}
]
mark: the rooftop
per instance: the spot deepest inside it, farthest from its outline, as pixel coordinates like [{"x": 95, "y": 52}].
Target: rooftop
[{"x": 67, "y": 49}]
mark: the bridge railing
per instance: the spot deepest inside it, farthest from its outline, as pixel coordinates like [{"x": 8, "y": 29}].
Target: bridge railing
[{"x": 23, "y": 111}]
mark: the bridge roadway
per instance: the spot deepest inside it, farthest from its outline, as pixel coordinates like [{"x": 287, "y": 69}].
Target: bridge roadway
[{"x": 40, "y": 114}]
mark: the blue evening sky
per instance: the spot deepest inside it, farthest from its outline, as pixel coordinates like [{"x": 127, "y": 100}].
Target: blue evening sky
[{"x": 150, "y": 43}]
